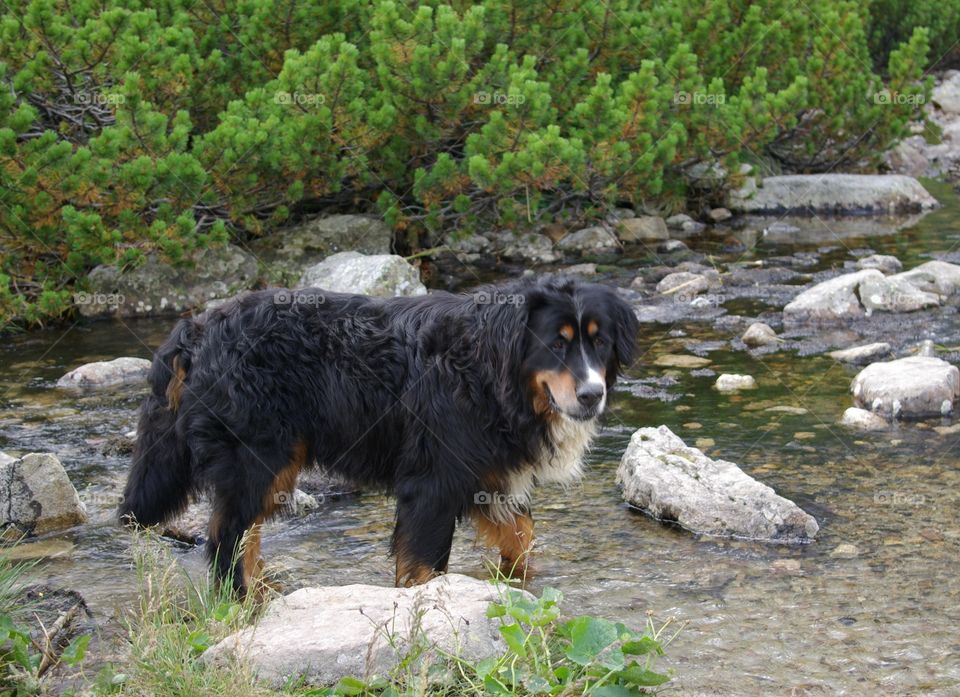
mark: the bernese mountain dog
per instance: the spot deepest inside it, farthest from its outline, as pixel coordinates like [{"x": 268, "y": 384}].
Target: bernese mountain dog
[{"x": 456, "y": 404}]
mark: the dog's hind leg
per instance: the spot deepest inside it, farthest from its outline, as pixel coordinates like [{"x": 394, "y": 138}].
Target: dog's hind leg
[
  {"x": 242, "y": 502},
  {"x": 422, "y": 536}
]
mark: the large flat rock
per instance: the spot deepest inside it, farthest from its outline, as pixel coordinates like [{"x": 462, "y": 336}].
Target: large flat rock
[
  {"x": 673, "y": 482},
  {"x": 325, "y": 634},
  {"x": 835, "y": 193}
]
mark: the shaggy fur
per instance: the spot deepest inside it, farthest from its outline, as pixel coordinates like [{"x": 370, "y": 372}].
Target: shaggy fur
[{"x": 457, "y": 404}]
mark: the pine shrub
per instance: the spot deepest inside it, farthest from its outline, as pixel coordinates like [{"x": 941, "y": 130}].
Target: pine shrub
[{"x": 129, "y": 127}]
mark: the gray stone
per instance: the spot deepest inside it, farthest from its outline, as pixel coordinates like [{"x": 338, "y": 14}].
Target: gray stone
[
  {"x": 881, "y": 262},
  {"x": 759, "y": 334},
  {"x": 937, "y": 277},
  {"x": 469, "y": 247},
  {"x": 581, "y": 269},
  {"x": 288, "y": 252},
  {"x": 893, "y": 294},
  {"x": 734, "y": 383},
  {"x": 647, "y": 228},
  {"x": 672, "y": 247},
  {"x": 946, "y": 95},
  {"x": 618, "y": 214},
  {"x": 673, "y": 482},
  {"x": 528, "y": 247},
  {"x": 683, "y": 284},
  {"x": 596, "y": 238},
  {"x": 321, "y": 635},
  {"x": 718, "y": 215},
  {"x": 119, "y": 371},
  {"x": 862, "y": 355},
  {"x": 6, "y": 459},
  {"x": 676, "y": 222},
  {"x": 36, "y": 496},
  {"x": 925, "y": 348},
  {"x": 912, "y": 387},
  {"x": 856, "y": 295},
  {"x": 863, "y": 420},
  {"x": 693, "y": 227},
  {"x": 383, "y": 275},
  {"x": 836, "y": 193},
  {"x": 158, "y": 289}
]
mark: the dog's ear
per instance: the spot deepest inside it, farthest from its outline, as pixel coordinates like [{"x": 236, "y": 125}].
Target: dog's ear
[
  {"x": 505, "y": 316},
  {"x": 626, "y": 327}
]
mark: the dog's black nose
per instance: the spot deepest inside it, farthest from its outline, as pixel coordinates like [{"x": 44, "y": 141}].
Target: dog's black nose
[{"x": 590, "y": 395}]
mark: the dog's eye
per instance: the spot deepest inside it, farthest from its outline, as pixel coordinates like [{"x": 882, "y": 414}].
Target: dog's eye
[
  {"x": 598, "y": 342},
  {"x": 559, "y": 345}
]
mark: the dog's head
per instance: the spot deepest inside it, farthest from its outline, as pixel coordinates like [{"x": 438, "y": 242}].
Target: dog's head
[{"x": 575, "y": 339}]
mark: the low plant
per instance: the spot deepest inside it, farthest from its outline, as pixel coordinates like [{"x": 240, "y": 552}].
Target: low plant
[{"x": 28, "y": 649}]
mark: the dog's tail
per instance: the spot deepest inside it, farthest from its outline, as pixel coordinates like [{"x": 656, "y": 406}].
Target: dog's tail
[{"x": 160, "y": 481}]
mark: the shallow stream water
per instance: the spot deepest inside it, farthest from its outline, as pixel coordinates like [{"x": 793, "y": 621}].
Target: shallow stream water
[{"x": 871, "y": 608}]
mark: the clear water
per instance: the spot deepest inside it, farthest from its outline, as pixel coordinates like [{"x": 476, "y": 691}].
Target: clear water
[{"x": 757, "y": 619}]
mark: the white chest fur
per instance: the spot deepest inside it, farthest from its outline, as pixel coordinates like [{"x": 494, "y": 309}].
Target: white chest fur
[{"x": 562, "y": 464}]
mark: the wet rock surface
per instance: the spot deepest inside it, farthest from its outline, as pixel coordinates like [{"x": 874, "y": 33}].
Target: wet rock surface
[
  {"x": 908, "y": 388},
  {"x": 673, "y": 482}
]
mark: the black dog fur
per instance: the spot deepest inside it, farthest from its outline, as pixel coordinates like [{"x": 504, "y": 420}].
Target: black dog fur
[{"x": 432, "y": 398}]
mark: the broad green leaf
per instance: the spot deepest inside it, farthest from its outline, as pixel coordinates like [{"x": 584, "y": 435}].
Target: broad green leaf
[
  {"x": 76, "y": 650},
  {"x": 515, "y": 638}
]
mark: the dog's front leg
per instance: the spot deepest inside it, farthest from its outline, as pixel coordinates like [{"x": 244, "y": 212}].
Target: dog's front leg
[{"x": 422, "y": 536}]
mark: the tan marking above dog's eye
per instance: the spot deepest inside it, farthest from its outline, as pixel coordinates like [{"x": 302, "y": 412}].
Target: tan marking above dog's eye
[
  {"x": 592, "y": 328},
  {"x": 567, "y": 332}
]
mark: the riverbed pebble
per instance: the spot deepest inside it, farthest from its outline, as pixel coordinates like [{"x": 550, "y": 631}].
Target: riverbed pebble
[
  {"x": 863, "y": 420},
  {"x": 862, "y": 355},
  {"x": 881, "y": 262},
  {"x": 759, "y": 334},
  {"x": 733, "y": 383}
]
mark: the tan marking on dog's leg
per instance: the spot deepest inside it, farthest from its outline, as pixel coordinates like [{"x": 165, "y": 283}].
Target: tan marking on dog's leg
[
  {"x": 514, "y": 539},
  {"x": 411, "y": 572}
]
